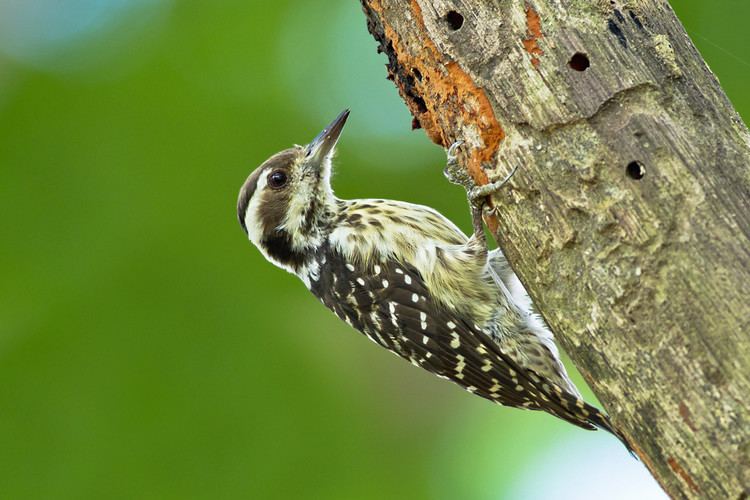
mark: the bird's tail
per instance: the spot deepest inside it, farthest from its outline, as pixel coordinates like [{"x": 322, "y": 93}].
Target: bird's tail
[
  {"x": 574, "y": 409},
  {"x": 602, "y": 421}
]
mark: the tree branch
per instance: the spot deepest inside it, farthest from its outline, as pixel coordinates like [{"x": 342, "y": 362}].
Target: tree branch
[{"x": 628, "y": 218}]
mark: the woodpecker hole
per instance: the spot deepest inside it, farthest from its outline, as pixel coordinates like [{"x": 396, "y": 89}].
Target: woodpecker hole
[
  {"x": 579, "y": 62},
  {"x": 454, "y": 20},
  {"x": 421, "y": 105},
  {"x": 635, "y": 170}
]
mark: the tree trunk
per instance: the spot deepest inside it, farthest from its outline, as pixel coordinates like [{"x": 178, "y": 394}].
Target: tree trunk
[{"x": 627, "y": 219}]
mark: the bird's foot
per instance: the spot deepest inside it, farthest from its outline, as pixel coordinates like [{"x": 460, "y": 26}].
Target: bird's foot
[
  {"x": 478, "y": 196},
  {"x": 481, "y": 192},
  {"x": 453, "y": 171},
  {"x": 477, "y": 221}
]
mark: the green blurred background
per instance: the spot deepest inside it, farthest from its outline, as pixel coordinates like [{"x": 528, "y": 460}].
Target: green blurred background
[{"x": 146, "y": 348}]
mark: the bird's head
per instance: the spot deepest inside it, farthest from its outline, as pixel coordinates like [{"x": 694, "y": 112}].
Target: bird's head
[{"x": 286, "y": 201}]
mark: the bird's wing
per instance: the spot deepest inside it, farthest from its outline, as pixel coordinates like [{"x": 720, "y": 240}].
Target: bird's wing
[{"x": 391, "y": 305}]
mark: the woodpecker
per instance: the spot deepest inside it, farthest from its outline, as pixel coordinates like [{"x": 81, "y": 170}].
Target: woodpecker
[{"x": 411, "y": 281}]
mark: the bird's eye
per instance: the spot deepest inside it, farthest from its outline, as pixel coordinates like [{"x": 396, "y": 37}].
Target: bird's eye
[{"x": 277, "y": 179}]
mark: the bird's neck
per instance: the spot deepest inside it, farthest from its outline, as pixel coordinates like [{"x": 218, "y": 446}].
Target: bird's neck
[{"x": 293, "y": 245}]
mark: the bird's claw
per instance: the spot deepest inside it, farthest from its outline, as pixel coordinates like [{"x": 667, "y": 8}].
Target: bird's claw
[
  {"x": 453, "y": 171},
  {"x": 478, "y": 196},
  {"x": 452, "y": 149},
  {"x": 481, "y": 192}
]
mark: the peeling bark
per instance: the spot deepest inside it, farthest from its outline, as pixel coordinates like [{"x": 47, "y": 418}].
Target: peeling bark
[{"x": 628, "y": 218}]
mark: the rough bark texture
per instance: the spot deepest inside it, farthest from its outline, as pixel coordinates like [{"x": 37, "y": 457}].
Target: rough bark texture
[{"x": 628, "y": 218}]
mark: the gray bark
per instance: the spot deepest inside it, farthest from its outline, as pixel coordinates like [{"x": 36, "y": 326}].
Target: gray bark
[{"x": 628, "y": 217}]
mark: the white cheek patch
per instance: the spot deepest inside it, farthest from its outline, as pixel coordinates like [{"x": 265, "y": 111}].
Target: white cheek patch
[
  {"x": 253, "y": 223},
  {"x": 252, "y": 220}
]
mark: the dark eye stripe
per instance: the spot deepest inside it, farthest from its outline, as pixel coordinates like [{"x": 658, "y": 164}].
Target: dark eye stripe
[{"x": 283, "y": 159}]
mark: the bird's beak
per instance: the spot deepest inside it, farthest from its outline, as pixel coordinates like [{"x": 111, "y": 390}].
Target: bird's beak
[{"x": 323, "y": 144}]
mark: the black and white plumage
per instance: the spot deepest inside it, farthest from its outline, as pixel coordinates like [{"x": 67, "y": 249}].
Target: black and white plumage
[{"x": 411, "y": 281}]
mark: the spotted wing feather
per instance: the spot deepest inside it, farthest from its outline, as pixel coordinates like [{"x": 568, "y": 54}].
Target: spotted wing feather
[{"x": 391, "y": 305}]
